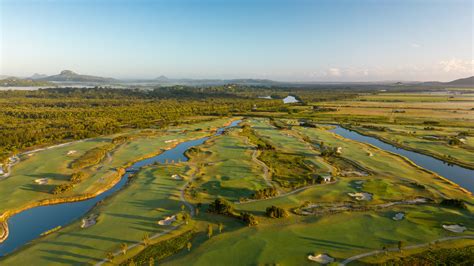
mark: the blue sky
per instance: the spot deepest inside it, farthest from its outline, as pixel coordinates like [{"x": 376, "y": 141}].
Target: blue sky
[{"x": 295, "y": 40}]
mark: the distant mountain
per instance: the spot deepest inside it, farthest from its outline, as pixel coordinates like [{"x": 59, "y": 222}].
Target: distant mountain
[
  {"x": 69, "y": 76},
  {"x": 18, "y": 82},
  {"x": 462, "y": 82},
  {"x": 38, "y": 76},
  {"x": 163, "y": 80}
]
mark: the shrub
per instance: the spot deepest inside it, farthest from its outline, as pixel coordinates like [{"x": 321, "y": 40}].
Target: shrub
[
  {"x": 161, "y": 249},
  {"x": 59, "y": 189},
  {"x": 276, "y": 212},
  {"x": 77, "y": 177},
  {"x": 455, "y": 203},
  {"x": 265, "y": 193},
  {"x": 248, "y": 218},
  {"x": 221, "y": 206}
]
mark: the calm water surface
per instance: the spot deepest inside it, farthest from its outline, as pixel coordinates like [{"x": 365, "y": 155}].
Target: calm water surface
[{"x": 459, "y": 175}]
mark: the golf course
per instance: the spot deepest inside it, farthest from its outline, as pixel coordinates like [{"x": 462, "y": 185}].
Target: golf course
[{"x": 290, "y": 188}]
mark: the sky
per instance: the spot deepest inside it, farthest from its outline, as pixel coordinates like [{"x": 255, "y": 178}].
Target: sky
[{"x": 292, "y": 40}]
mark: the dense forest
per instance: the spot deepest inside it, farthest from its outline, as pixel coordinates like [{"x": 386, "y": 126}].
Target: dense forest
[{"x": 32, "y": 118}]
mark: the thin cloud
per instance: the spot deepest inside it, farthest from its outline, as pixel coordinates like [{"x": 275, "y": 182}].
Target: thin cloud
[{"x": 457, "y": 65}]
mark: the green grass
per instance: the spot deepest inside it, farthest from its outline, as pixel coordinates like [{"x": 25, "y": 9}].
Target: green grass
[
  {"x": 19, "y": 190},
  {"x": 383, "y": 163},
  {"x": 414, "y": 137},
  {"x": 124, "y": 218},
  {"x": 227, "y": 169},
  {"x": 290, "y": 241}
]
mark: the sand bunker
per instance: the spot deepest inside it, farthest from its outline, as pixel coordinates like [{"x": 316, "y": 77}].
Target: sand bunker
[
  {"x": 168, "y": 220},
  {"x": 399, "y": 216},
  {"x": 321, "y": 258},
  {"x": 455, "y": 228},
  {"x": 176, "y": 177},
  {"x": 171, "y": 140},
  {"x": 71, "y": 152},
  {"x": 89, "y": 221},
  {"x": 41, "y": 181},
  {"x": 361, "y": 195}
]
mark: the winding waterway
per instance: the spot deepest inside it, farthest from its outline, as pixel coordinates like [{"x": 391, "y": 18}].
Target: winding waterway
[
  {"x": 459, "y": 175},
  {"x": 30, "y": 224}
]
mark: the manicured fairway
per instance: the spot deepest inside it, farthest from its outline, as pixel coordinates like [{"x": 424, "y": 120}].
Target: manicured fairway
[
  {"x": 20, "y": 191},
  {"x": 384, "y": 163},
  {"x": 288, "y": 141},
  {"x": 341, "y": 236},
  {"x": 432, "y": 142},
  {"x": 19, "y": 188},
  {"x": 124, "y": 218},
  {"x": 227, "y": 168},
  {"x": 153, "y": 195}
]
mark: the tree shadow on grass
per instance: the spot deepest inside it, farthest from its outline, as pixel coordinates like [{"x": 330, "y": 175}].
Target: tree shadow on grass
[
  {"x": 233, "y": 194},
  {"x": 237, "y": 147},
  {"x": 38, "y": 188},
  {"x": 320, "y": 243},
  {"x": 53, "y": 176},
  {"x": 68, "y": 244},
  {"x": 111, "y": 239},
  {"x": 58, "y": 254}
]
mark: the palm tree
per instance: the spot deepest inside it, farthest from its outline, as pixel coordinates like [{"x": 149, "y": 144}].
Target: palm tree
[
  {"x": 146, "y": 239},
  {"x": 209, "y": 230},
  {"x": 124, "y": 248},
  {"x": 110, "y": 256},
  {"x": 189, "y": 245}
]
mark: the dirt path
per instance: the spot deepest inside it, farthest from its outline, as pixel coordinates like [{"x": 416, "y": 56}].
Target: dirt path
[
  {"x": 288, "y": 193},
  {"x": 375, "y": 252},
  {"x": 266, "y": 169},
  {"x": 183, "y": 196}
]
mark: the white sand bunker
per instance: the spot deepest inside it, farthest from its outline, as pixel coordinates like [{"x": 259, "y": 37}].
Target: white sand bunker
[
  {"x": 321, "y": 258},
  {"x": 42, "y": 181},
  {"x": 455, "y": 228},
  {"x": 359, "y": 182},
  {"x": 71, "y": 152},
  {"x": 361, "y": 195},
  {"x": 170, "y": 140},
  {"x": 176, "y": 177},
  {"x": 399, "y": 216},
  {"x": 168, "y": 220},
  {"x": 89, "y": 221}
]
